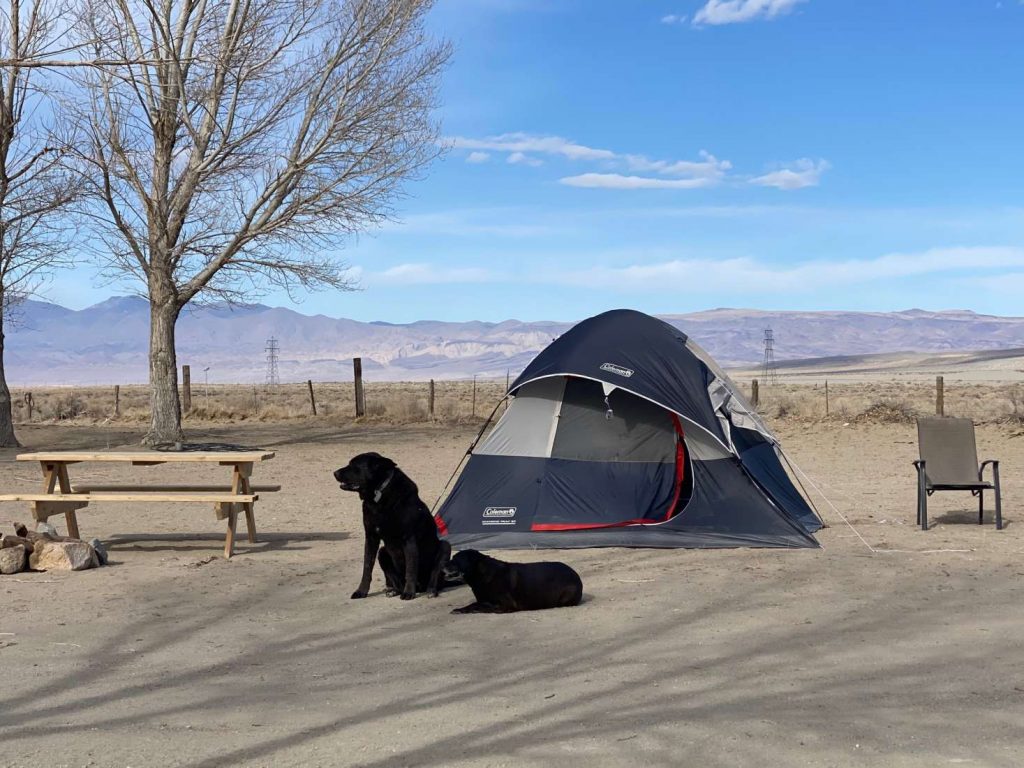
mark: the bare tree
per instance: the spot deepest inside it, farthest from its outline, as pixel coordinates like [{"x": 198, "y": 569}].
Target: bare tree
[
  {"x": 240, "y": 142},
  {"x": 34, "y": 189}
]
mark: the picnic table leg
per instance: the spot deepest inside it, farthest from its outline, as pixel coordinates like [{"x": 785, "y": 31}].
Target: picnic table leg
[
  {"x": 55, "y": 474},
  {"x": 65, "y": 487},
  {"x": 229, "y": 540},
  {"x": 240, "y": 485}
]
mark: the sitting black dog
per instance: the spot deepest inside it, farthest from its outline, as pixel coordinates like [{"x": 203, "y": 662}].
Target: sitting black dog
[
  {"x": 501, "y": 587},
  {"x": 413, "y": 557}
]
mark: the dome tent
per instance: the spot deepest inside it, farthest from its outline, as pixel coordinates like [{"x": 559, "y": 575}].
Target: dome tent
[{"x": 623, "y": 432}]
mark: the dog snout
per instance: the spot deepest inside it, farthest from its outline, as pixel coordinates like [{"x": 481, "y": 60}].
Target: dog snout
[
  {"x": 343, "y": 477},
  {"x": 451, "y": 572}
]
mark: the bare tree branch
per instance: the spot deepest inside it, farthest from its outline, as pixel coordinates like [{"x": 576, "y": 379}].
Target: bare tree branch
[
  {"x": 35, "y": 187},
  {"x": 235, "y": 145}
]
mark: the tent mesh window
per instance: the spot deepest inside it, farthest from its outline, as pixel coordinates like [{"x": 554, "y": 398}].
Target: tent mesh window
[{"x": 627, "y": 428}]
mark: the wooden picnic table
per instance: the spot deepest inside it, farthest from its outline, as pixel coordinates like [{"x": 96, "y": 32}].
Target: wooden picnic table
[{"x": 60, "y": 497}]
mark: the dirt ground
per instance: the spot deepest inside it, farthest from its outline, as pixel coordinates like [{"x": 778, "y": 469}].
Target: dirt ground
[{"x": 841, "y": 656}]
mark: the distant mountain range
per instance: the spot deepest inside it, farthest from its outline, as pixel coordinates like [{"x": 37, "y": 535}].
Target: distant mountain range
[{"x": 107, "y": 343}]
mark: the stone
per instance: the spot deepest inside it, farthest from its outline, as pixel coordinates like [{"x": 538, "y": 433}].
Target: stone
[
  {"x": 62, "y": 556},
  {"x": 45, "y": 528},
  {"x": 12, "y": 559},
  {"x": 100, "y": 550},
  {"x": 15, "y": 541}
]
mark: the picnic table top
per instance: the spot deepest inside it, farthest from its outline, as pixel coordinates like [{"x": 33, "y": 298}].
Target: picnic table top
[{"x": 149, "y": 457}]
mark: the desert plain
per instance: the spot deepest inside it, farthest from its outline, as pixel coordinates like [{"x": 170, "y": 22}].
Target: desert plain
[{"x": 888, "y": 646}]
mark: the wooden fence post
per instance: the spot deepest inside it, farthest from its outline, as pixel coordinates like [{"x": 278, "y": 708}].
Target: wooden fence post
[
  {"x": 430, "y": 400},
  {"x": 312, "y": 399},
  {"x": 357, "y": 373},
  {"x": 29, "y": 402},
  {"x": 474, "y": 396},
  {"x": 755, "y": 395},
  {"x": 186, "y": 388},
  {"x": 117, "y": 400},
  {"x": 255, "y": 402},
  {"x": 827, "y": 412},
  {"x": 940, "y": 396}
]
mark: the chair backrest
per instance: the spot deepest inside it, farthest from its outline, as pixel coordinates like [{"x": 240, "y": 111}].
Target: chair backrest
[{"x": 948, "y": 449}]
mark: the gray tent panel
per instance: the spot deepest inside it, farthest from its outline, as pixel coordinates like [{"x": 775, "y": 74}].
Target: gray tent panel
[{"x": 526, "y": 428}]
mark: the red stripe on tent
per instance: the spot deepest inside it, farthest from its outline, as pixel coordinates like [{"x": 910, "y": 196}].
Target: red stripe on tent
[
  {"x": 441, "y": 527},
  {"x": 585, "y": 526},
  {"x": 680, "y": 476},
  {"x": 680, "y": 465}
]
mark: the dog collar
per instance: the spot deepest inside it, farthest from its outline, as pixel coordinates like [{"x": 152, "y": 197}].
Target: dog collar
[{"x": 380, "y": 491}]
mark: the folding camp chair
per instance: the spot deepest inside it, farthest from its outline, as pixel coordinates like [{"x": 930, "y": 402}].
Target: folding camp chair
[{"x": 949, "y": 462}]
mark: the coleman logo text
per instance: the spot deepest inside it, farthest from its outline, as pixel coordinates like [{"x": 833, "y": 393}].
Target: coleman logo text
[
  {"x": 617, "y": 369},
  {"x": 500, "y": 512},
  {"x": 499, "y": 516}
]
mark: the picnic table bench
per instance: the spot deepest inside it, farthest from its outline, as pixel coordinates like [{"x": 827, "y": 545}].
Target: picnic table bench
[{"x": 60, "y": 497}]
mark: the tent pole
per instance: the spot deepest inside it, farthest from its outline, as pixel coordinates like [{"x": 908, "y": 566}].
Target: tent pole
[{"x": 468, "y": 452}]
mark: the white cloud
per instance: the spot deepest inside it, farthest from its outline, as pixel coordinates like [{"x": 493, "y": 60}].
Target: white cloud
[
  {"x": 742, "y": 276},
  {"x": 708, "y": 167},
  {"x": 523, "y": 148},
  {"x": 803, "y": 173},
  {"x": 674, "y": 18},
  {"x": 424, "y": 274},
  {"x": 524, "y": 142},
  {"x": 519, "y": 158},
  {"x": 747, "y": 276},
  {"x": 717, "y": 12},
  {"x": 477, "y": 157},
  {"x": 619, "y": 181}
]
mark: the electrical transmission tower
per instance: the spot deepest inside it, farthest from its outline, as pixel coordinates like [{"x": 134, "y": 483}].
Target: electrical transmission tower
[
  {"x": 272, "y": 349},
  {"x": 770, "y": 372}
]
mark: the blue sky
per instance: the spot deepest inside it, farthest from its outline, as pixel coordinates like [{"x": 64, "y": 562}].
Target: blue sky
[{"x": 681, "y": 155}]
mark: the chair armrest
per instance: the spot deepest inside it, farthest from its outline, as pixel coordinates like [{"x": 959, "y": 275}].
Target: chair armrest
[{"x": 994, "y": 464}]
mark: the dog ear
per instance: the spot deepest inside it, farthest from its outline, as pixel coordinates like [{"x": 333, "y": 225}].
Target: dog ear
[{"x": 379, "y": 465}]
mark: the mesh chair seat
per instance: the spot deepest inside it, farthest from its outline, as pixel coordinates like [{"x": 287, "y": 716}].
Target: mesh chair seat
[{"x": 949, "y": 462}]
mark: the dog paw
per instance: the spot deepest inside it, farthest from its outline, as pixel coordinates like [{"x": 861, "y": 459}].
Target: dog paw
[
  {"x": 432, "y": 594},
  {"x": 408, "y": 595},
  {"x": 389, "y": 592},
  {"x": 358, "y": 595}
]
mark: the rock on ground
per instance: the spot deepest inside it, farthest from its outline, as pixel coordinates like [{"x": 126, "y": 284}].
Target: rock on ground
[
  {"x": 12, "y": 559},
  {"x": 63, "y": 556}
]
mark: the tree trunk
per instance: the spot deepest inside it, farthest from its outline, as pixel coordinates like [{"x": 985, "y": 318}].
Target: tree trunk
[
  {"x": 7, "y": 438},
  {"x": 163, "y": 375}
]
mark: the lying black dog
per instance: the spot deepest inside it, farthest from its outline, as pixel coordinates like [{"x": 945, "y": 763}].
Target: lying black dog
[
  {"x": 413, "y": 557},
  {"x": 501, "y": 587}
]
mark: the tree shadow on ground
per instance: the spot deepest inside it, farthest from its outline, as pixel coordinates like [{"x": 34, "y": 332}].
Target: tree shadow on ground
[
  {"x": 661, "y": 687},
  {"x": 272, "y": 541}
]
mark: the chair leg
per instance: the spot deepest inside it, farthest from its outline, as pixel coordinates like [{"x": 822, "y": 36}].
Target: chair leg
[
  {"x": 981, "y": 507},
  {"x": 999, "y": 500}
]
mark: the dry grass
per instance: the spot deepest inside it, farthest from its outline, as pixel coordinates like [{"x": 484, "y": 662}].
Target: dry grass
[
  {"x": 407, "y": 403},
  {"x": 890, "y": 401},
  {"x": 390, "y": 402}
]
